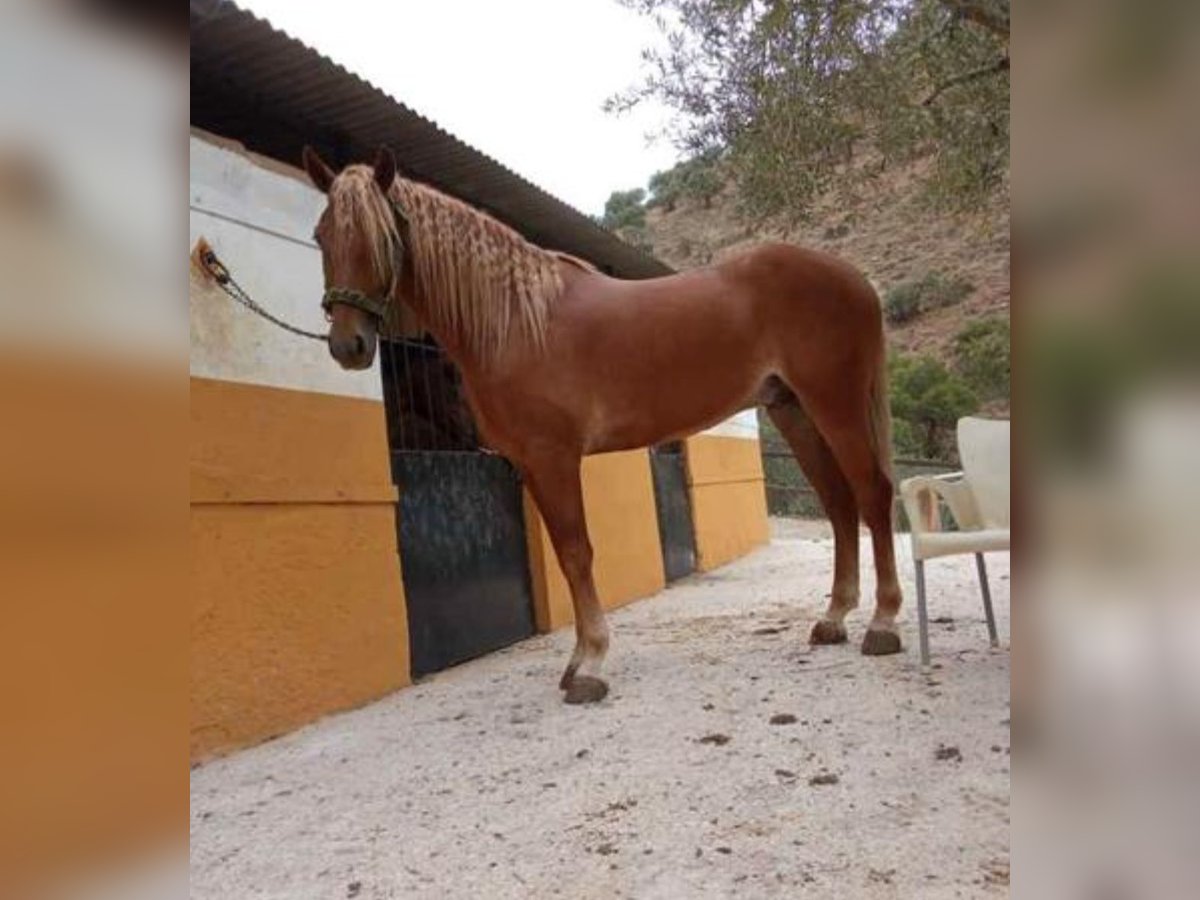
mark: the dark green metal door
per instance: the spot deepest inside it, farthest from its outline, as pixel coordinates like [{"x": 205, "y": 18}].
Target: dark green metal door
[
  {"x": 669, "y": 469},
  {"x": 463, "y": 555},
  {"x": 460, "y": 518}
]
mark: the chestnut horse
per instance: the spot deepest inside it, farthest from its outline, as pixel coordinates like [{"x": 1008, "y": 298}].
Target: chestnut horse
[{"x": 559, "y": 361}]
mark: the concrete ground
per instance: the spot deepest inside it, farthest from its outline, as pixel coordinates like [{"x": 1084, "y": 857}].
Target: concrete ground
[{"x": 729, "y": 760}]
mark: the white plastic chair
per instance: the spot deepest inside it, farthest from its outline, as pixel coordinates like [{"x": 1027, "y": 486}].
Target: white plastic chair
[{"x": 978, "y": 499}]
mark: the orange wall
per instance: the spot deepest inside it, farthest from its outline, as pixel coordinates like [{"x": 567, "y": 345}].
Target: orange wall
[
  {"x": 298, "y": 603},
  {"x": 729, "y": 503},
  {"x": 297, "y": 599},
  {"x": 618, "y": 496}
]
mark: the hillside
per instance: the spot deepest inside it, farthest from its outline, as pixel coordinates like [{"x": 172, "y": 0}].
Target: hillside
[{"x": 887, "y": 230}]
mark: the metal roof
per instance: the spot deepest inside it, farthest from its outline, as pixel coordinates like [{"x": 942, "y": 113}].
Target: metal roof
[{"x": 273, "y": 93}]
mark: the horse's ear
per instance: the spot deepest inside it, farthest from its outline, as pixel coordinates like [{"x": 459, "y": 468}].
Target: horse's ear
[
  {"x": 322, "y": 176},
  {"x": 385, "y": 169}
]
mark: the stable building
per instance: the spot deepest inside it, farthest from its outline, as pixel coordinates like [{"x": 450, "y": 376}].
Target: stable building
[{"x": 348, "y": 531}]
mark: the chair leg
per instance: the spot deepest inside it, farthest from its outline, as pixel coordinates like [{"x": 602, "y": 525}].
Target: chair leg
[
  {"x": 922, "y": 613},
  {"x": 987, "y": 600}
]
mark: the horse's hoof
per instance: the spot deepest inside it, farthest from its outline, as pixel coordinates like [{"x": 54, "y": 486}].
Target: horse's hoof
[
  {"x": 880, "y": 643},
  {"x": 586, "y": 689},
  {"x": 567, "y": 677},
  {"x": 826, "y": 632}
]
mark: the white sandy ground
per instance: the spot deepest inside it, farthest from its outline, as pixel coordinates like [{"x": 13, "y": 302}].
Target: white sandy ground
[{"x": 480, "y": 783}]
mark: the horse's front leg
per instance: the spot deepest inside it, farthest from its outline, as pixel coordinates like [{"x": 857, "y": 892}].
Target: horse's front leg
[{"x": 556, "y": 486}]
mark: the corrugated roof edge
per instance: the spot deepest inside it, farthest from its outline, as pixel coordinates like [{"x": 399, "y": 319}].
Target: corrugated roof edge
[{"x": 229, "y": 8}]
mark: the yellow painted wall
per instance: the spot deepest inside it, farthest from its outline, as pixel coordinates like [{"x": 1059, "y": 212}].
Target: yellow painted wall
[
  {"x": 618, "y": 496},
  {"x": 729, "y": 503},
  {"x": 298, "y": 604},
  {"x": 297, "y": 599}
]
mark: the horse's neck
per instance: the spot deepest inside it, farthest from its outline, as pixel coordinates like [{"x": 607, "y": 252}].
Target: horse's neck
[{"x": 453, "y": 344}]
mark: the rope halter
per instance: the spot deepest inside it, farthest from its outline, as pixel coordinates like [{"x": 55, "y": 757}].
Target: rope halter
[{"x": 374, "y": 306}]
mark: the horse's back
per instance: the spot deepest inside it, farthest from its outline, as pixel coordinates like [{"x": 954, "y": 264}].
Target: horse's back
[
  {"x": 791, "y": 272},
  {"x": 746, "y": 305}
]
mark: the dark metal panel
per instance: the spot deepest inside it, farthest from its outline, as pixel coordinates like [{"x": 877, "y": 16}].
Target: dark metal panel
[
  {"x": 463, "y": 556},
  {"x": 669, "y": 469},
  {"x": 460, "y": 518}
]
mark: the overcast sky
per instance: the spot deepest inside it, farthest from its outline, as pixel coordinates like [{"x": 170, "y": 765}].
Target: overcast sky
[{"x": 520, "y": 80}]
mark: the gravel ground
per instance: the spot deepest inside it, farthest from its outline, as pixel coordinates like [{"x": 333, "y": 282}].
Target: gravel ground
[{"x": 729, "y": 760}]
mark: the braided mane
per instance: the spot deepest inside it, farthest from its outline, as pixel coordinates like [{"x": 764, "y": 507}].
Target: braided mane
[{"x": 479, "y": 279}]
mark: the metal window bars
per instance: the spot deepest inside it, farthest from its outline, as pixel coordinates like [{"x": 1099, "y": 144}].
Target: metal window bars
[{"x": 426, "y": 408}]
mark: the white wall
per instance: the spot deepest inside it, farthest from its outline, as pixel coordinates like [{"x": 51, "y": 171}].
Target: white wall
[
  {"x": 743, "y": 425},
  {"x": 260, "y": 223}
]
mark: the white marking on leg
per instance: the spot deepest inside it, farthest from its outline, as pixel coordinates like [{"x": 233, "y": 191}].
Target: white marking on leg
[
  {"x": 593, "y": 650},
  {"x": 842, "y": 602}
]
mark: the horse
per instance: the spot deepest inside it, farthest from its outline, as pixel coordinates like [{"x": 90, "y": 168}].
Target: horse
[{"x": 559, "y": 360}]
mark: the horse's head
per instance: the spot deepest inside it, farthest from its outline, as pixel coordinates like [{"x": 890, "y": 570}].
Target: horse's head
[{"x": 362, "y": 251}]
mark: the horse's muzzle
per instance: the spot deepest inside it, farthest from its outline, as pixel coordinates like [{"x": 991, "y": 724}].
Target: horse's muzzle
[{"x": 353, "y": 349}]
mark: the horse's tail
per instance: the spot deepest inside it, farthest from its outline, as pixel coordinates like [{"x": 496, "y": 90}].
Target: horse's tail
[{"x": 880, "y": 411}]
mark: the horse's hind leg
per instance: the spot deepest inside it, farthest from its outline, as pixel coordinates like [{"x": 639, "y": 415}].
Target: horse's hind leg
[
  {"x": 847, "y": 430},
  {"x": 556, "y": 486},
  {"x": 821, "y": 469}
]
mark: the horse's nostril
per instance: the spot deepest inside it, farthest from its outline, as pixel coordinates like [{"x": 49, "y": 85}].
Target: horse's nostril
[{"x": 360, "y": 346}]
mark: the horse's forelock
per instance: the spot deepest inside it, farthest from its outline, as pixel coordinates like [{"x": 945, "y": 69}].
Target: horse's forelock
[{"x": 358, "y": 207}]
